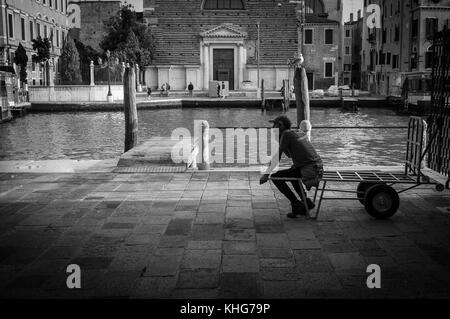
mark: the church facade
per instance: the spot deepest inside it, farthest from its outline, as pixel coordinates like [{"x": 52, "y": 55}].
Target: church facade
[{"x": 200, "y": 41}]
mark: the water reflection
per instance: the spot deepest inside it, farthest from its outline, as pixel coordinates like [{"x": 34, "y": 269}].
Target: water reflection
[{"x": 100, "y": 135}]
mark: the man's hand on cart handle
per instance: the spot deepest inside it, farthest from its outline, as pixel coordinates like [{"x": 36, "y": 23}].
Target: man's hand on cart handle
[{"x": 264, "y": 179}]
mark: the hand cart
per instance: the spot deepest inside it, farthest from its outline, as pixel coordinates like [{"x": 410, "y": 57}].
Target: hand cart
[{"x": 375, "y": 189}]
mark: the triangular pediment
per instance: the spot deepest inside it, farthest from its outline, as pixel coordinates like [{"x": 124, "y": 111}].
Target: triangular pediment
[{"x": 225, "y": 30}]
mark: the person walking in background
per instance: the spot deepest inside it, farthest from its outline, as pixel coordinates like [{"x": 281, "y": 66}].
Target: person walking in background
[
  {"x": 163, "y": 89},
  {"x": 167, "y": 89},
  {"x": 218, "y": 89},
  {"x": 190, "y": 88},
  {"x": 222, "y": 91},
  {"x": 149, "y": 93}
]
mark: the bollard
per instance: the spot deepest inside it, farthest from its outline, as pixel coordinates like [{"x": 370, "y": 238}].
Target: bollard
[
  {"x": 204, "y": 163},
  {"x": 91, "y": 66},
  {"x": 131, "y": 119},
  {"x": 305, "y": 126}
]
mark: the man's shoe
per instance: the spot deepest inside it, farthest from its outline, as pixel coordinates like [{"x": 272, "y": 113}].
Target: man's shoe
[
  {"x": 311, "y": 205},
  {"x": 297, "y": 209}
]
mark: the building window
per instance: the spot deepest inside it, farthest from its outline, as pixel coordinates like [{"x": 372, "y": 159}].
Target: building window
[
  {"x": 347, "y": 50},
  {"x": 314, "y": 6},
  {"x": 431, "y": 27},
  {"x": 50, "y": 3},
  {"x": 38, "y": 29},
  {"x": 347, "y": 67},
  {"x": 22, "y": 26},
  {"x": 56, "y": 4},
  {"x": 388, "y": 58},
  {"x": 57, "y": 38},
  {"x": 328, "y": 69},
  {"x": 382, "y": 56},
  {"x": 308, "y": 36},
  {"x": 429, "y": 58},
  {"x": 11, "y": 25},
  {"x": 45, "y": 31},
  {"x": 328, "y": 36},
  {"x": 395, "y": 61},
  {"x": 415, "y": 28},
  {"x": 31, "y": 31},
  {"x": 223, "y": 5},
  {"x": 397, "y": 33},
  {"x": 347, "y": 33}
]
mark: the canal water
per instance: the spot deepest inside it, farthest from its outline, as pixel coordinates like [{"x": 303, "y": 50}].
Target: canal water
[{"x": 100, "y": 135}]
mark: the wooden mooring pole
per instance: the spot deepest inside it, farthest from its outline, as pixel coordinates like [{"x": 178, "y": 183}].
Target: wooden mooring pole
[
  {"x": 263, "y": 99},
  {"x": 131, "y": 119}
]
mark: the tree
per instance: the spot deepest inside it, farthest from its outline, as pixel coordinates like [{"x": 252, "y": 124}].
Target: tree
[
  {"x": 70, "y": 63},
  {"x": 129, "y": 51},
  {"x": 119, "y": 32},
  {"x": 42, "y": 48},
  {"x": 87, "y": 54},
  {"x": 21, "y": 59}
]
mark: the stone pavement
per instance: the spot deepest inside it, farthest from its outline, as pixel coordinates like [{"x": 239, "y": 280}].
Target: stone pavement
[{"x": 210, "y": 235}]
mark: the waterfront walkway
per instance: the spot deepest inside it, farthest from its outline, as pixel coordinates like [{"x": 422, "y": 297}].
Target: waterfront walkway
[{"x": 209, "y": 235}]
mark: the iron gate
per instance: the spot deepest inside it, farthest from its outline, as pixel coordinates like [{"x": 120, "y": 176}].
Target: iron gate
[{"x": 439, "y": 120}]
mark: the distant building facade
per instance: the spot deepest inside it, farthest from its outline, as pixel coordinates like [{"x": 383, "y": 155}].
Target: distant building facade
[
  {"x": 402, "y": 47},
  {"x": 200, "y": 41},
  {"x": 88, "y": 26},
  {"x": 22, "y": 21},
  {"x": 349, "y": 33}
]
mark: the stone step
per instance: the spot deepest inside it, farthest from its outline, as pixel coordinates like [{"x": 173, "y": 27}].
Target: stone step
[{"x": 158, "y": 150}]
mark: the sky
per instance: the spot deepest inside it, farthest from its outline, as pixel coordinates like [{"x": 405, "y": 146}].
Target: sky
[
  {"x": 349, "y": 6},
  {"x": 352, "y": 6},
  {"x": 136, "y": 3}
]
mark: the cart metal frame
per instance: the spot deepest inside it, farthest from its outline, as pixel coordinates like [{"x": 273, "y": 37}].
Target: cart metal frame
[{"x": 412, "y": 176}]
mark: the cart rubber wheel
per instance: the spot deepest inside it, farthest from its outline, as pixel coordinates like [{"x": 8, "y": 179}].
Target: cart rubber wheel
[
  {"x": 440, "y": 187},
  {"x": 362, "y": 189},
  {"x": 381, "y": 201}
]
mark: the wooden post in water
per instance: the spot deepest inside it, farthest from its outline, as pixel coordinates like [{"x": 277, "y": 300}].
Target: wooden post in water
[
  {"x": 286, "y": 95},
  {"x": 131, "y": 119},
  {"x": 263, "y": 100}
]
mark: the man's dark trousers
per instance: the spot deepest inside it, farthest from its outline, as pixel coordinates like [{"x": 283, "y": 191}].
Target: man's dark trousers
[{"x": 293, "y": 172}]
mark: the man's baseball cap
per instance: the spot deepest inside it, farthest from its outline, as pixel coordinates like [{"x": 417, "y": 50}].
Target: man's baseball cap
[{"x": 284, "y": 119}]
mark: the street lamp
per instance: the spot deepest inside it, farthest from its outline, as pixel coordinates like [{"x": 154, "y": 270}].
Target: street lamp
[
  {"x": 258, "y": 90},
  {"x": 110, "y": 96},
  {"x": 257, "y": 50},
  {"x": 302, "y": 18}
]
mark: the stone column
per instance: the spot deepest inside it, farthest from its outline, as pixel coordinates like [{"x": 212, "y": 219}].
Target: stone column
[
  {"x": 241, "y": 65},
  {"x": 92, "y": 73},
  {"x": 51, "y": 81},
  {"x": 205, "y": 66},
  {"x": 123, "y": 69},
  {"x": 138, "y": 79}
]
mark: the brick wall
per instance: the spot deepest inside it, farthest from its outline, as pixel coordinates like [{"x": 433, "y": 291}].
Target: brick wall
[
  {"x": 93, "y": 15},
  {"x": 177, "y": 25}
]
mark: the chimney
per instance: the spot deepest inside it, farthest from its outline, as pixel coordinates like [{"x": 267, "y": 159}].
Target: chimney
[
  {"x": 351, "y": 17},
  {"x": 359, "y": 14}
]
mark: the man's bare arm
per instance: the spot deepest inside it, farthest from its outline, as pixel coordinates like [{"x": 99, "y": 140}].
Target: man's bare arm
[{"x": 273, "y": 164}]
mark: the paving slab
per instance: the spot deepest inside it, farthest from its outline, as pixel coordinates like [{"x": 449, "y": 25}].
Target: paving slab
[{"x": 209, "y": 235}]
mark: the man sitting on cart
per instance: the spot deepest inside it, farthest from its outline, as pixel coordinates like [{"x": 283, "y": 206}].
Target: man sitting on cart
[{"x": 307, "y": 165}]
